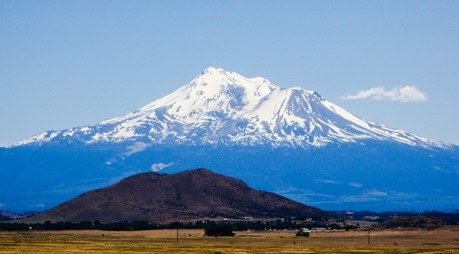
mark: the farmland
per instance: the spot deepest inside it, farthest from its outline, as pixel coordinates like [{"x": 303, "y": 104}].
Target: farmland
[{"x": 445, "y": 240}]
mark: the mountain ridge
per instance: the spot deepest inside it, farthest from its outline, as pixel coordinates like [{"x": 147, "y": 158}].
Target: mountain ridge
[
  {"x": 285, "y": 140},
  {"x": 220, "y": 107}
]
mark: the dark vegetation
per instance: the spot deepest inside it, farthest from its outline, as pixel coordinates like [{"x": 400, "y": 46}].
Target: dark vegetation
[
  {"x": 387, "y": 220},
  {"x": 145, "y": 225},
  {"x": 219, "y": 230}
]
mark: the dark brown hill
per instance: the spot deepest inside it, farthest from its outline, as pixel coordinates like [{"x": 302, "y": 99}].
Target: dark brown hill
[{"x": 185, "y": 196}]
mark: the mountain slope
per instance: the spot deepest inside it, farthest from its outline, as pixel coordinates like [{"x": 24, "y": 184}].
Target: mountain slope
[
  {"x": 219, "y": 107},
  {"x": 285, "y": 140},
  {"x": 185, "y": 196}
]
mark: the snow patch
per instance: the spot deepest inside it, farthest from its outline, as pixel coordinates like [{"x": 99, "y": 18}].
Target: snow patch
[
  {"x": 156, "y": 167},
  {"x": 135, "y": 148}
]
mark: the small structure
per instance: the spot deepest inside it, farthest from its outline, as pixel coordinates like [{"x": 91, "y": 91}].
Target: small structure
[{"x": 303, "y": 232}]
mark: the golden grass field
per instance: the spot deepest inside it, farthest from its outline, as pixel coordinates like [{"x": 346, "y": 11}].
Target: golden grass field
[{"x": 193, "y": 241}]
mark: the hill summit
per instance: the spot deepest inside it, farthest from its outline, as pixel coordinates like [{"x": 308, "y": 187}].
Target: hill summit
[{"x": 185, "y": 196}]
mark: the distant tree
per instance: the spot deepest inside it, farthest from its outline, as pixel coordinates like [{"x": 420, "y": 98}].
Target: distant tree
[
  {"x": 48, "y": 225},
  {"x": 218, "y": 230}
]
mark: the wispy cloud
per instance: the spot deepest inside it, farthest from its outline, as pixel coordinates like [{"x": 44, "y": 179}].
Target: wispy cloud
[
  {"x": 356, "y": 185},
  {"x": 302, "y": 195},
  {"x": 398, "y": 94},
  {"x": 328, "y": 181}
]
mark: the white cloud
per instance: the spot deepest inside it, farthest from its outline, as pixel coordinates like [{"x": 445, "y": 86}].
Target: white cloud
[
  {"x": 328, "y": 181},
  {"x": 399, "y": 94},
  {"x": 302, "y": 195},
  {"x": 377, "y": 193},
  {"x": 356, "y": 185}
]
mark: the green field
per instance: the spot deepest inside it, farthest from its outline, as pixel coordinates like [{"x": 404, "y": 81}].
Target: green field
[{"x": 193, "y": 241}]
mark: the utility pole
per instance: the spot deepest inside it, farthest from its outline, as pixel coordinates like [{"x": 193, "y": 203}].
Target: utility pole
[
  {"x": 177, "y": 234},
  {"x": 369, "y": 241}
]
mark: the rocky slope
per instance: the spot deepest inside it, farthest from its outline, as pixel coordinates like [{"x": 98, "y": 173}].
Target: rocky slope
[{"x": 185, "y": 196}]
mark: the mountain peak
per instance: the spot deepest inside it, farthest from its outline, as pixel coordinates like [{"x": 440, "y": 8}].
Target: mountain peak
[
  {"x": 212, "y": 71},
  {"x": 220, "y": 78},
  {"x": 221, "y": 107}
]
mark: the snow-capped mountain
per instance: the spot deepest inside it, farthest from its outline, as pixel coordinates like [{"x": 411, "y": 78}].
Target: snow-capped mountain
[
  {"x": 285, "y": 140},
  {"x": 220, "y": 107}
]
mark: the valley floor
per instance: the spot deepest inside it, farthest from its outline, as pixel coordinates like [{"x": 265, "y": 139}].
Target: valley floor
[{"x": 192, "y": 241}]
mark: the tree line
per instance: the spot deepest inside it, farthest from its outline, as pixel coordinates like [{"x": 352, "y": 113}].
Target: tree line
[{"x": 145, "y": 225}]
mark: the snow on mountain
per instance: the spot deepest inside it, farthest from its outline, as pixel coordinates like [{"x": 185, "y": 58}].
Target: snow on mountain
[
  {"x": 221, "y": 107},
  {"x": 248, "y": 129}
]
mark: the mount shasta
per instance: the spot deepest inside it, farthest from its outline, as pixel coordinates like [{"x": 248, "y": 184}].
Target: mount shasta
[{"x": 290, "y": 141}]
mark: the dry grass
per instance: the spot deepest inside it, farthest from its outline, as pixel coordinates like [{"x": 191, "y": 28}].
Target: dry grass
[{"x": 193, "y": 241}]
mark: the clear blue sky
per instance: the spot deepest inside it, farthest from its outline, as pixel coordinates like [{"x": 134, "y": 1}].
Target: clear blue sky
[{"x": 71, "y": 63}]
